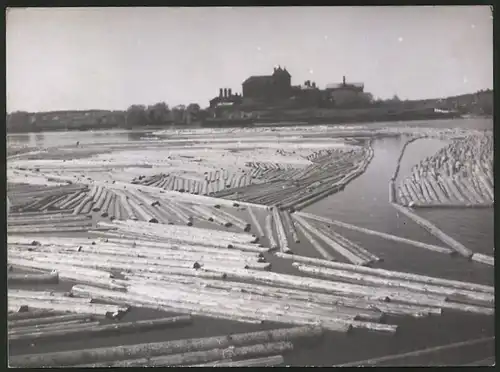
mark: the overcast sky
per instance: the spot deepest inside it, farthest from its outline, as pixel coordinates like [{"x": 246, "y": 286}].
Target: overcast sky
[{"x": 110, "y": 58}]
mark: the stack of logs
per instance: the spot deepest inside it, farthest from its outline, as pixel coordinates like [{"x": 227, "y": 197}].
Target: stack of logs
[
  {"x": 224, "y": 275},
  {"x": 260, "y": 348},
  {"x": 286, "y": 186},
  {"x": 296, "y": 189},
  {"x": 459, "y": 175},
  {"x": 212, "y": 183}
]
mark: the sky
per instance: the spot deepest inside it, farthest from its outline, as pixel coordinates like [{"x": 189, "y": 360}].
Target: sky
[{"x": 110, "y": 58}]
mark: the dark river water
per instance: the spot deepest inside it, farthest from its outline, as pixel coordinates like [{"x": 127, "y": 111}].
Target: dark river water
[{"x": 364, "y": 203}]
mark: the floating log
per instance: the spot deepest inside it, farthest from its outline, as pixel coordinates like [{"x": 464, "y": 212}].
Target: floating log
[
  {"x": 72, "y": 273},
  {"x": 62, "y": 200},
  {"x": 53, "y": 203},
  {"x": 297, "y": 258},
  {"x": 290, "y": 226},
  {"x": 202, "y": 356},
  {"x": 75, "y": 357},
  {"x": 49, "y": 319},
  {"x": 417, "y": 353},
  {"x": 174, "y": 209},
  {"x": 269, "y": 231},
  {"x": 460, "y": 248},
  {"x": 73, "y": 307},
  {"x": 181, "y": 233},
  {"x": 365, "y": 257},
  {"x": 55, "y": 219},
  {"x": 482, "y": 258},
  {"x": 29, "y": 333},
  {"x": 117, "y": 210},
  {"x": 270, "y": 361},
  {"x": 38, "y": 314},
  {"x": 316, "y": 245},
  {"x": 334, "y": 245},
  {"x": 93, "y": 329},
  {"x": 100, "y": 202},
  {"x": 44, "y": 296},
  {"x": 410, "y": 277},
  {"x": 72, "y": 201},
  {"x": 256, "y": 223},
  {"x": 243, "y": 225},
  {"x": 155, "y": 303},
  {"x": 280, "y": 230},
  {"x": 39, "y": 214},
  {"x": 141, "y": 212},
  {"x": 127, "y": 208},
  {"x": 372, "y": 303},
  {"x": 395, "y": 238},
  {"x": 52, "y": 278},
  {"x": 110, "y": 207},
  {"x": 344, "y": 289},
  {"x": 358, "y": 278},
  {"x": 209, "y": 216},
  {"x": 82, "y": 204},
  {"x": 353, "y": 247}
]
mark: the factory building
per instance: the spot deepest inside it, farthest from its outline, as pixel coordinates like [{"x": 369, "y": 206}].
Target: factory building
[
  {"x": 346, "y": 94},
  {"x": 225, "y": 98},
  {"x": 276, "y": 90},
  {"x": 268, "y": 87}
]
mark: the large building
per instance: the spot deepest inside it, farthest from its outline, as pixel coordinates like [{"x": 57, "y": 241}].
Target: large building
[
  {"x": 268, "y": 87},
  {"x": 346, "y": 94},
  {"x": 277, "y": 91}
]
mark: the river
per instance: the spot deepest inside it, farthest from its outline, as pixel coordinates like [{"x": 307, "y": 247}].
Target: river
[{"x": 364, "y": 202}]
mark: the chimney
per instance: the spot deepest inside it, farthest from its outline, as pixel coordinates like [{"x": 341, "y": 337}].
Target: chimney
[
  {"x": 220, "y": 92},
  {"x": 343, "y": 80},
  {"x": 225, "y": 92},
  {"x": 229, "y": 93},
  {"x": 314, "y": 84}
]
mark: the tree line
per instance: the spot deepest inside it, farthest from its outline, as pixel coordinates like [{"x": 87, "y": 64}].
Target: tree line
[{"x": 136, "y": 116}]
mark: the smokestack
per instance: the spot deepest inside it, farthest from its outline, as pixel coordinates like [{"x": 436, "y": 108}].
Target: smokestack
[
  {"x": 229, "y": 92},
  {"x": 225, "y": 92},
  {"x": 343, "y": 80},
  {"x": 220, "y": 92}
]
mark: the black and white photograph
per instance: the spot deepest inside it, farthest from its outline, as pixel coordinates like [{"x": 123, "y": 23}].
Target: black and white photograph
[{"x": 250, "y": 186}]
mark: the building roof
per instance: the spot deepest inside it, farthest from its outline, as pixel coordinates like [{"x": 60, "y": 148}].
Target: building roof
[
  {"x": 345, "y": 86},
  {"x": 262, "y": 79},
  {"x": 280, "y": 71}
]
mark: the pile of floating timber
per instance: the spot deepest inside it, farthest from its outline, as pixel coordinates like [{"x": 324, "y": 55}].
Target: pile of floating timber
[
  {"x": 261, "y": 348},
  {"x": 459, "y": 175},
  {"x": 212, "y": 183},
  {"x": 69, "y": 208},
  {"x": 299, "y": 187},
  {"x": 288, "y": 186},
  {"x": 83, "y": 320},
  {"x": 364, "y": 257},
  {"x": 194, "y": 271}
]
